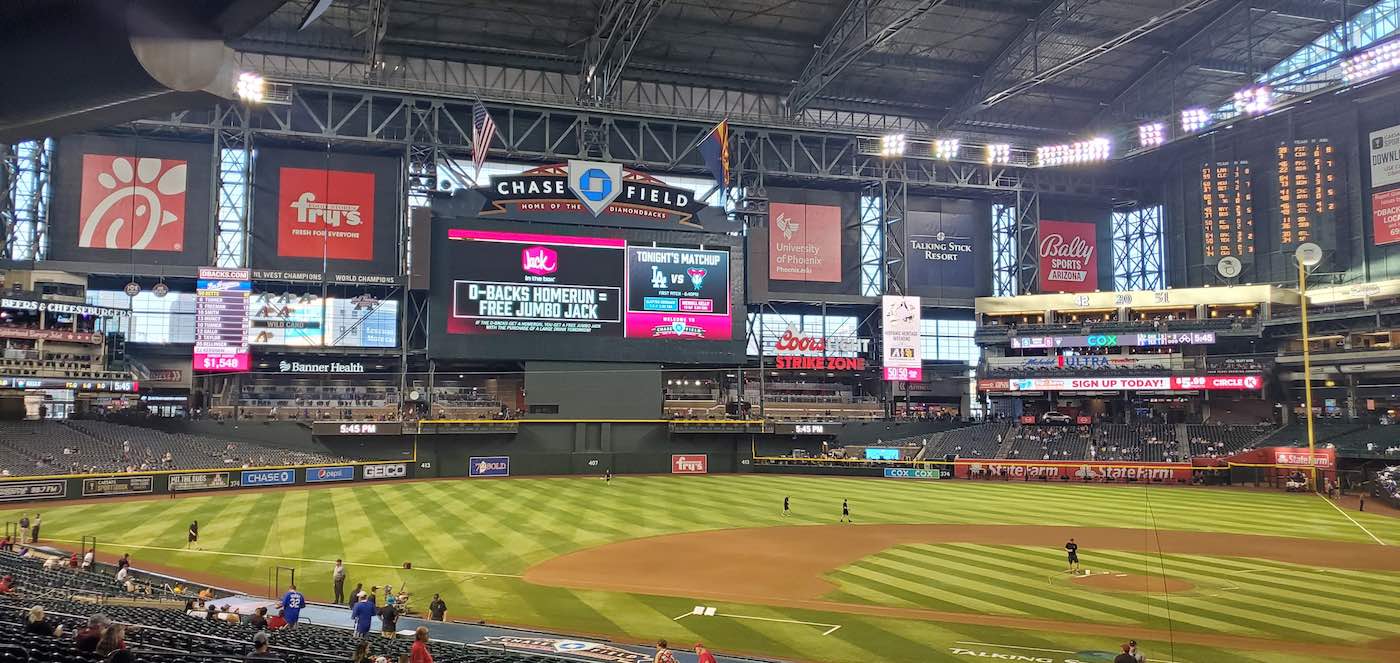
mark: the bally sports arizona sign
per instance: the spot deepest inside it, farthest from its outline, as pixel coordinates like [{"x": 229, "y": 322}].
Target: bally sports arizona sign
[
  {"x": 1068, "y": 257},
  {"x": 593, "y": 188}
]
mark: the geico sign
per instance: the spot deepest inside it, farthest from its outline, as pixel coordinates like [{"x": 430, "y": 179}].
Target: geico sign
[{"x": 395, "y": 471}]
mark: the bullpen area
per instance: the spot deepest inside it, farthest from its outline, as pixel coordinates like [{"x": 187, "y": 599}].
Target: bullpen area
[{"x": 928, "y": 570}]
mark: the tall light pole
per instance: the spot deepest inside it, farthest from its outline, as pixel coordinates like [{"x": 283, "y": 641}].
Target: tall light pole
[{"x": 1307, "y": 255}]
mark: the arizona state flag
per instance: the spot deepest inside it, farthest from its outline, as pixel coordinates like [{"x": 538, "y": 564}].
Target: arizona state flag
[{"x": 715, "y": 149}]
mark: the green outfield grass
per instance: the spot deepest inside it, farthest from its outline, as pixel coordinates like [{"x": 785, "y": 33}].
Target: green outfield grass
[{"x": 471, "y": 539}]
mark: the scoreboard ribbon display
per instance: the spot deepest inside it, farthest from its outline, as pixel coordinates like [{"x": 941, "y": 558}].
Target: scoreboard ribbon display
[
  {"x": 515, "y": 282},
  {"x": 221, "y": 320}
]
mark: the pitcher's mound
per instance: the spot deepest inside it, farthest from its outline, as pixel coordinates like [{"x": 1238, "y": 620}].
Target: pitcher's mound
[{"x": 1132, "y": 582}]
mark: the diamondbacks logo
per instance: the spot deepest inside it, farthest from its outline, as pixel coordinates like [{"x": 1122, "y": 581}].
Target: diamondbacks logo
[
  {"x": 597, "y": 184},
  {"x": 539, "y": 260},
  {"x": 132, "y": 203},
  {"x": 325, "y": 213},
  {"x": 697, "y": 276}
]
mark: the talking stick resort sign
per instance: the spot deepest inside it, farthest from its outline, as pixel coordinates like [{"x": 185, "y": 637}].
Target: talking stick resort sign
[{"x": 591, "y": 188}]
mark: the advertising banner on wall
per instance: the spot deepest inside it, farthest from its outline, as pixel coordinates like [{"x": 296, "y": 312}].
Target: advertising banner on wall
[
  {"x": 1385, "y": 184},
  {"x": 1068, "y": 257},
  {"x": 690, "y": 463},
  {"x": 336, "y": 213},
  {"x": 903, "y": 353},
  {"x": 1077, "y": 471},
  {"x": 110, "y": 486},
  {"x": 942, "y": 251},
  {"x": 198, "y": 481},
  {"x": 1145, "y": 383},
  {"x": 488, "y": 466},
  {"x": 131, "y": 200},
  {"x": 1151, "y": 340},
  {"x": 804, "y": 242},
  {"x": 591, "y": 193},
  {"x": 17, "y": 491}
]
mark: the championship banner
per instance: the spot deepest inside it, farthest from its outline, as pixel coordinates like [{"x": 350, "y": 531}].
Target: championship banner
[
  {"x": 1068, "y": 257},
  {"x": 804, "y": 242},
  {"x": 942, "y": 252},
  {"x": 112, "y": 486},
  {"x": 331, "y": 213},
  {"x": 588, "y": 191},
  {"x": 131, "y": 200},
  {"x": 903, "y": 352}
]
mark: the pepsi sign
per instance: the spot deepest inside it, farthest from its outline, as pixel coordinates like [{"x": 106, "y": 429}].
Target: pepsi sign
[
  {"x": 324, "y": 474},
  {"x": 488, "y": 466}
]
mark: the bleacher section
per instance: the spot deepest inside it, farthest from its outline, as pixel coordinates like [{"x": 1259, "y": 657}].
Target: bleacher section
[
  {"x": 1150, "y": 443},
  {"x": 979, "y": 441},
  {"x": 1218, "y": 441},
  {"x": 29, "y": 448},
  {"x": 164, "y": 634},
  {"x": 1036, "y": 442}
]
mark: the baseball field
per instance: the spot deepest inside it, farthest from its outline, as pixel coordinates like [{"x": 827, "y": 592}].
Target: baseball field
[{"x": 929, "y": 571}]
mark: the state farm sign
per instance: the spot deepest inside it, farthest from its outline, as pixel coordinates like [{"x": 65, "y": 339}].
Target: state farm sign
[
  {"x": 1068, "y": 260},
  {"x": 690, "y": 463},
  {"x": 1319, "y": 458}
]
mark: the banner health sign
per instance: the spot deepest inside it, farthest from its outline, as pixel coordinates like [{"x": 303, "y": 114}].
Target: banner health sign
[
  {"x": 267, "y": 478},
  {"x": 489, "y": 466},
  {"x": 323, "y": 474}
]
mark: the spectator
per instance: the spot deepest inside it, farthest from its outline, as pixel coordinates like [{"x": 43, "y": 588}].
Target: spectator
[
  {"x": 37, "y": 625},
  {"x": 362, "y": 614},
  {"x": 361, "y": 652},
  {"x": 1125, "y": 657},
  {"x": 88, "y": 558},
  {"x": 1133, "y": 650},
  {"x": 276, "y": 621},
  {"x": 125, "y": 572},
  {"x": 87, "y": 637},
  {"x": 23, "y": 529},
  {"x": 124, "y": 562},
  {"x": 113, "y": 639},
  {"x": 664, "y": 655},
  {"x": 261, "y": 651},
  {"x": 355, "y": 594},
  {"x": 703, "y": 655},
  {"x": 292, "y": 603},
  {"x": 34, "y": 532},
  {"x": 419, "y": 652},
  {"x": 7, "y": 584},
  {"x": 338, "y": 581},
  {"x": 259, "y": 618},
  {"x": 389, "y": 621},
  {"x": 437, "y": 609}
]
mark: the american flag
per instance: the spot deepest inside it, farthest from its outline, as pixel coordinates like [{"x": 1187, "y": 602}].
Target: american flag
[{"x": 483, "y": 130}]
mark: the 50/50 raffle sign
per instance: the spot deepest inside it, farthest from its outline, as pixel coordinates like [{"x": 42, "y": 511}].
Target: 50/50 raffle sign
[{"x": 903, "y": 358}]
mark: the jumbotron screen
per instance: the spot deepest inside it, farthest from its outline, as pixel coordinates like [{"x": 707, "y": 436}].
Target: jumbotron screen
[{"x": 508, "y": 294}]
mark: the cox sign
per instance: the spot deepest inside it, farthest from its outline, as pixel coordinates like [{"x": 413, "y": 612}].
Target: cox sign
[
  {"x": 690, "y": 464},
  {"x": 911, "y": 473},
  {"x": 391, "y": 471},
  {"x": 267, "y": 478}
]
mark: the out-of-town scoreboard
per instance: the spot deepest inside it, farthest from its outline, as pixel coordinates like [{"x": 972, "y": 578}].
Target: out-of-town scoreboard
[{"x": 1227, "y": 209}]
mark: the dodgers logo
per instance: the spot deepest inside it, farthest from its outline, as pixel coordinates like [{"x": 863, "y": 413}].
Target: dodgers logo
[{"x": 597, "y": 184}]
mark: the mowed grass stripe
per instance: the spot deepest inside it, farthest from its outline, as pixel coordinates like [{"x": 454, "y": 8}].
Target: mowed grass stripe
[
  {"x": 1034, "y": 589},
  {"x": 922, "y": 594}
]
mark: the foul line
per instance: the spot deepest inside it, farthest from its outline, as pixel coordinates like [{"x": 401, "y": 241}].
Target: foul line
[
  {"x": 785, "y": 621},
  {"x": 226, "y": 553},
  {"x": 993, "y": 644},
  {"x": 1353, "y": 520}
]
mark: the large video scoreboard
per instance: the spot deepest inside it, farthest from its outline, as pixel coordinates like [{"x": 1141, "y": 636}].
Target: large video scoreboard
[{"x": 548, "y": 295}]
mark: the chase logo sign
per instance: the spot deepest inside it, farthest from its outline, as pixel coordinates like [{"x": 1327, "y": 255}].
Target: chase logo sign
[
  {"x": 591, "y": 189},
  {"x": 489, "y": 466},
  {"x": 323, "y": 474},
  {"x": 596, "y": 183},
  {"x": 267, "y": 478}
]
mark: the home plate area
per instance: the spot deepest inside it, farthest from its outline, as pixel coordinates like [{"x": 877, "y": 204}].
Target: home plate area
[{"x": 711, "y": 611}]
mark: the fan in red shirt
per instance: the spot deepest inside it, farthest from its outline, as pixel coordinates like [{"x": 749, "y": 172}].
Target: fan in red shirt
[
  {"x": 276, "y": 621},
  {"x": 703, "y": 654},
  {"x": 419, "y": 652}
]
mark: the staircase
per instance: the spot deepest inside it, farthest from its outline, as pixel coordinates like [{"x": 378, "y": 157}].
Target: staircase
[
  {"x": 1008, "y": 440},
  {"x": 1183, "y": 442}
]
